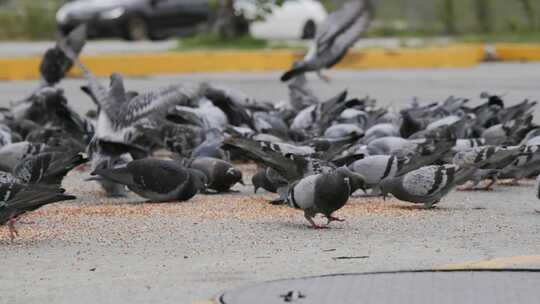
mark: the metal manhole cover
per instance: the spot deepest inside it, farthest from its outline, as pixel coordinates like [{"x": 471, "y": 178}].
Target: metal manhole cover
[{"x": 413, "y": 287}]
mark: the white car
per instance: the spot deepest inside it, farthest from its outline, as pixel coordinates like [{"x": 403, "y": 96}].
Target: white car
[{"x": 294, "y": 19}]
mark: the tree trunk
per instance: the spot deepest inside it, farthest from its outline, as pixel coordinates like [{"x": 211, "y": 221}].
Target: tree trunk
[
  {"x": 449, "y": 16},
  {"x": 228, "y": 25},
  {"x": 484, "y": 15},
  {"x": 528, "y": 9}
]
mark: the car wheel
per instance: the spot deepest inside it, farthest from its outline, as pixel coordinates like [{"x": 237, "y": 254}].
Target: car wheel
[
  {"x": 309, "y": 30},
  {"x": 136, "y": 29}
]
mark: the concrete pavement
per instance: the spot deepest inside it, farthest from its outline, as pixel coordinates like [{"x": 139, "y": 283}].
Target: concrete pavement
[{"x": 98, "y": 250}]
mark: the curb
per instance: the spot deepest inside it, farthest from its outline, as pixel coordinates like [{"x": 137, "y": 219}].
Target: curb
[
  {"x": 495, "y": 263},
  {"x": 517, "y": 52},
  {"x": 26, "y": 68}
]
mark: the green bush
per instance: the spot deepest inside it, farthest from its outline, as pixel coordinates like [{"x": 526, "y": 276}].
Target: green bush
[{"x": 25, "y": 20}]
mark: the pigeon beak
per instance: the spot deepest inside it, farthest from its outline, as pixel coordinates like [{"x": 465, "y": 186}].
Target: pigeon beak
[
  {"x": 255, "y": 190},
  {"x": 241, "y": 182}
]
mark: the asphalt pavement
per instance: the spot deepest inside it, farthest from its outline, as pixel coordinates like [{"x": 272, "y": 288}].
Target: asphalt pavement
[{"x": 97, "y": 250}]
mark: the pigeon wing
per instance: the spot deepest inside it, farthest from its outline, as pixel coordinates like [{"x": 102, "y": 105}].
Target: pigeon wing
[{"x": 143, "y": 105}]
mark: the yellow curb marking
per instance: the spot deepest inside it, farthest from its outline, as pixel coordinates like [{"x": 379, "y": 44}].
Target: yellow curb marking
[
  {"x": 241, "y": 61},
  {"x": 518, "y": 52},
  {"x": 496, "y": 263}
]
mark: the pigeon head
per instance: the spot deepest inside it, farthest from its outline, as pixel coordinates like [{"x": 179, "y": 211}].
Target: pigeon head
[
  {"x": 234, "y": 175},
  {"x": 258, "y": 180}
]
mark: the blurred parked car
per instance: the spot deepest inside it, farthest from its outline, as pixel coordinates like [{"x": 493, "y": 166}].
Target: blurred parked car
[
  {"x": 136, "y": 19},
  {"x": 294, "y": 19}
]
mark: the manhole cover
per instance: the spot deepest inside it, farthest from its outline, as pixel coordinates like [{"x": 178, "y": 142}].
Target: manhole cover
[{"x": 413, "y": 287}]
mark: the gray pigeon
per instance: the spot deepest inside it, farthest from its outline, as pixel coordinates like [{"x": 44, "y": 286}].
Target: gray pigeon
[
  {"x": 379, "y": 131},
  {"x": 48, "y": 168},
  {"x": 489, "y": 157},
  {"x": 300, "y": 95},
  {"x": 376, "y": 168},
  {"x": 157, "y": 180},
  {"x": 221, "y": 175},
  {"x": 17, "y": 199},
  {"x": 427, "y": 185},
  {"x": 271, "y": 181},
  {"x": 343, "y": 130},
  {"x": 11, "y": 155},
  {"x": 120, "y": 110},
  {"x": 524, "y": 165},
  {"x": 261, "y": 180},
  {"x": 537, "y": 187},
  {"x": 334, "y": 37},
  {"x": 211, "y": 146},
  {"x": 324, "y": 193}
]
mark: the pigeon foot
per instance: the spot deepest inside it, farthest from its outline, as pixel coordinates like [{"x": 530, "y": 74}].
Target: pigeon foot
[
  {"x": 12, "y": 230},
  {"x": 314, "y": 225},
  {"x": 333, "y": 219},
  {"x": 324, "y": 77}
]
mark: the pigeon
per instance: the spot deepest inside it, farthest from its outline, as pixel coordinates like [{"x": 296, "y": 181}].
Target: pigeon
[
  {"x": 221, "y": 175},
  {"x": 286, "y": 165},
  {"x": 211, "y": 146},
  {"x": 324, "y": 193},
  {"x": 48, "y": 168},
  {"x": 334, "y": 37},
  {"x": 157, "y": 180},
  {"x": 104, "y": 154},
  {"x": 300, "y": 95},
  {"x": 426, "y": 185},
  {"x": 11, "y": 155},
  {"x": 55, "y": 63},
  {"x": 537, "y": 187},
  {"x": 343, "y": 130},
  {"x": 18, "y": 199},
  {"x": 261, "y": 180},
  {"x": 376, "y": 168},
  {"x": 524, "y": 165},
  {"x": 231, "y": 102},
  {"x": 379, "y": 131},
  {"x": 120, "y": 110},
  {"x": 489, "y": 157}
]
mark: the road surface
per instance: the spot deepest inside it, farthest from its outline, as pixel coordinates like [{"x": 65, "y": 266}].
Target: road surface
[{"x": 97, "y": 250}]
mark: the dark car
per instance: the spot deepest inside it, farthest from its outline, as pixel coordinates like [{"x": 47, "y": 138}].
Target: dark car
[{"x": 136, "y": 19}]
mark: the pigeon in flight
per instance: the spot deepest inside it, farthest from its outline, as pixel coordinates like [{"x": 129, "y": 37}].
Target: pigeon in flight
[
  {"x": 56, "y": 63},
  {"x": 335, "y": 36}
]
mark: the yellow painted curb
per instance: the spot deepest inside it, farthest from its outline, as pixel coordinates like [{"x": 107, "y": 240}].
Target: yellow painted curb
[
  {"x": 433, "y": 57},
  {"x": 518, "y": 52},
  {"x": 496, "y": 263},
  {"x": 243, "y": 61}
]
